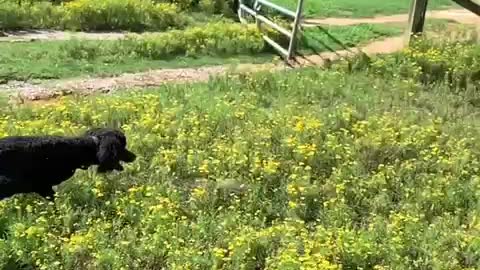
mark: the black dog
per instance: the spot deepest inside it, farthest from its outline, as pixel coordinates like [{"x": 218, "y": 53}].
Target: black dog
[{"x": 31, "y": 164}]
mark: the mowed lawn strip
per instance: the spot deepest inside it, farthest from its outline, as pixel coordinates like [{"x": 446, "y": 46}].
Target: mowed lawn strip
[{"x": 357, "y": 8}]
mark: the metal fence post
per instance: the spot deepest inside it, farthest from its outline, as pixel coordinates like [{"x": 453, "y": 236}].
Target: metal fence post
[
  {"x": 260, "y": 20},
  {"x": 296, "y": 25}
]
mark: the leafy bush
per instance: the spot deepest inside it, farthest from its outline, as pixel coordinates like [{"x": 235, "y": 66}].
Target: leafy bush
[
  {"x": 454, "y": 63},
  {"x": 459, "y": 63},
  {"x": 37, "y": 15},
  {"x": 183, "y": 4},
  {"x": 129, "y": 15},
  {"x": 226, "y": 7},
  {"x": 212, "y": 39},
  {"x": 134, "y": 15}
]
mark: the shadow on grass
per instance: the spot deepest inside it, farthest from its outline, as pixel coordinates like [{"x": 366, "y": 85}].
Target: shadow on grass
[{"x": 330, "y": 43}]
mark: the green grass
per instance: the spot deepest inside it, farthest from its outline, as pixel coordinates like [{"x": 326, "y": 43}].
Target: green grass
[
  {"x": 49, "y": 65},
  {"x": 63, "y": 59},
  {"x": 331, "y": 38},
  {"x": 357, "y": 8},
  {"x": 47, "y": 60},
  {"x": 363, "y": 166}
]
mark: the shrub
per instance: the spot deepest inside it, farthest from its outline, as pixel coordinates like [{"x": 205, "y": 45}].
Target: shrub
[
  {"x": 36, "y": 15},
  {"x": 220, "y": 39},
  {"x": 90, "y": 15},
  {"x": 134, "y": 15},
  {"x": 226, "y": 7},
  {"x": 458, "y": 63},
  {"x": 183, "y": 4},
  {"x": 165, "y": 16},
  {"x": 212, "y": 39},
  {"x": 454, "y": 63}
]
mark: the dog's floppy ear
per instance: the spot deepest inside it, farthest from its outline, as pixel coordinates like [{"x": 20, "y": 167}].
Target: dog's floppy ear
[{"x": 108, "y": 155}]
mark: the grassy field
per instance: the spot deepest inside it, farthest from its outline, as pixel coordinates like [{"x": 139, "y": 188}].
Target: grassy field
[
  {"x": 357, "y": 8},
  {"x": 177, "y": 25},
  {"x": 332, "y": 38},
  {"x": 23, "y": 69},
  {"x": 63, "y": 59},
  {"x": 372, "y": 164}
]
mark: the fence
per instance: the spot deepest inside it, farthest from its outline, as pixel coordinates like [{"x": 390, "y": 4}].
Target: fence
[
  {"x": 418, "y": 10},
  {"x": 289, "y": 52}
]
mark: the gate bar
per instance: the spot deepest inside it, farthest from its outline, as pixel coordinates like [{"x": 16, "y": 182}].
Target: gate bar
[
  {"x": 267, "y": 21},
  {"x": 277, "y": 7},
  {"x": 291, "y": 34}
]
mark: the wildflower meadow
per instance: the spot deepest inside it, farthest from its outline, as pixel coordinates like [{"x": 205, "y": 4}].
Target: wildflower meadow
[{"x": 361, "y": 166}]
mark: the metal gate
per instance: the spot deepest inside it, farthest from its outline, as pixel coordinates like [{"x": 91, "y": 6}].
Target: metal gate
[{"x": 289, "y": 52}]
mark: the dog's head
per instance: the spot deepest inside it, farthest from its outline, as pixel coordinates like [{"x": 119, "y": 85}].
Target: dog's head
[{"x": 111, "y": 149}]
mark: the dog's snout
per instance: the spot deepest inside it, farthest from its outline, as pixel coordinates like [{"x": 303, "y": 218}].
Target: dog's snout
[{"x": 128, "y": 156}]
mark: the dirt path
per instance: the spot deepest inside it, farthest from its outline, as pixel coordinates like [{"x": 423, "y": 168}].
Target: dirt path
[
  {"x": 36, "y": 35},
  {"x": 47, "y": 89},
  {"x": 458, "y": 15}
]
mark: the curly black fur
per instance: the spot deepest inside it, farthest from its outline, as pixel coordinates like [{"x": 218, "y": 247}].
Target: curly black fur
[{"x": 30, "y": 164}]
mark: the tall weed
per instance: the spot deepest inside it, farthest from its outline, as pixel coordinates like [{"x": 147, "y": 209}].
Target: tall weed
[
  {"x": 104, "y": 15},
  {"x": 212, "y": 39},
  {"x": 121, "y": 15},
  {"x": 36, "y": 15},
  {"x": 455, "y": 63}
]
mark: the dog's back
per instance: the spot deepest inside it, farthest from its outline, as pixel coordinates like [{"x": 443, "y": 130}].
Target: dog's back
[
  {"x": 30, "y": 164},
  {"x": 24, "y": 153},
  {"x": 36, "y": 163}
]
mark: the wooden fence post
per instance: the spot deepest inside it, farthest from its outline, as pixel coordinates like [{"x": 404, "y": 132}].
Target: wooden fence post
[{"x": 416, "y": 20}]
